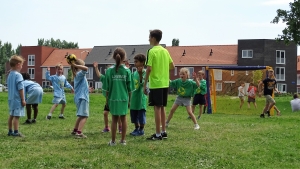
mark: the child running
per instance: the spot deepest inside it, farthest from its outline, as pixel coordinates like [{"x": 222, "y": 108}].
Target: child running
[
  {"x": 138, "y": 98},
  {"x": 81, "y": 97},
  {"x": 16, "y": 99},
  {"x": 241, "y": 93},
  {"x": 58, "y": 81},
  {"x": 200, "y": 92},
  {"x": 185, "y": 90},
  {"x": 251, "y": 95},
  {"x": 34, "y": 95},
  {"x": 118, "y": 87}
]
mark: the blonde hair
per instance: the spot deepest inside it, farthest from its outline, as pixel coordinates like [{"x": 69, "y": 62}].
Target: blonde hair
[
  {"x": 59, "y": 65},
  {"x": 201, "y": 72},
  {"x": 185, "y": 70},
  {"x": 74, "y": 69},
  {"x": 273, "y": 76},
  {"x": 15, "y": 59}
]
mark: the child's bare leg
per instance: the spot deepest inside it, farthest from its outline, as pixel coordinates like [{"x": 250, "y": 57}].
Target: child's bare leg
[
  {"x": 10, "y": 119},
  {"x": 82, "y": 121},
  {"x": 77, "y": 123},
  {"x": 189, "y": 111},
  {"x": 16, "y": 122},
  {"x": 53, "y": 108},
  {"x": 193, "y": 108},
  {"x": 173, "y": 109},
  {"x": 114, "y": 127},
  {"x": 157, "y": 114},
  {"x": 124, "y": 127},
  {"x": 163, "y": 118},
  {"x": 62, "y": 109},
  {"x": 105, "y": 115},
  {"x": 200, "y": 110},
  {"x": 35, "y": 110},
  {"x": 28, "y": 111},
  {"x": 120, "y": 122},
  {"x": 277, "y": 110},
  {"x": 255, "y": 104},
  {"x": 242, "y": 102},
  {"x": 249, "y": 105}
]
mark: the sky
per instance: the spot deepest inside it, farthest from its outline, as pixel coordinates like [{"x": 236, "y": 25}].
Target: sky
[{"x": 127, "y": 22}]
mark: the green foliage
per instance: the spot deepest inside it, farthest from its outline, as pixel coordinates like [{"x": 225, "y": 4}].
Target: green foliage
[
  {"x": 57, "y": 43},
  {"x": 175, "y": 42},
  {"x": 3, "y": 79},
  {"x": 70, "y": 75},
  {"x": 292, "y": 19},
  {"x": 6, "y": 51},
  {"x": 257, "y": 75},
  {"x": 18, "y": 49}
]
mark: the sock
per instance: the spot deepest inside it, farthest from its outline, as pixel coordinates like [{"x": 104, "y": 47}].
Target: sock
[
  {"x": 61, "y": 115},
  {"x": 163, "y": 131},
  {"x": 78, "y": 132},
  {"x": 137, "y": 127},
  {"x": 75, "y": 130},
  {"x": 158, "y": 135},
  {"x": 10, "y": 130},
  {"x": 49, "y": 114},
  {"x": 16, "y": 131}
]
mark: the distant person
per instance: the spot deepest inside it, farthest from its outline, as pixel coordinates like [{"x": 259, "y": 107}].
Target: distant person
[
  {"x": 295, "y": 103},
  {"x": 59, "y": 82},
  {"x": 251, "y": 95},
  {"x": 33, "y": 97},
  {"x": 16, "y": 97},
  {"x": 241, "y": 93},
  {"x": 262, "y": 90}
]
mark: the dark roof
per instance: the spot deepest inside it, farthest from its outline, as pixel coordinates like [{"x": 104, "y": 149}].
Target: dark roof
[{"x": 103, "y": 54}]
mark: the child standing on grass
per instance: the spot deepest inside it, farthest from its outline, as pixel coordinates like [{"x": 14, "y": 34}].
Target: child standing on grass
[
  {"x": 261, "y": 91},
  {"x": 185, "y": 90},
  {"x": 34, "y": 95},
  {"x": 118, "y": 87},
  {"x": 200, "y": 92},
  {"x": 106, "y": 109},
  {"x": 138, "y": 98},
  {"x": 159, "y": 63},
  {"x": 81, "y": 97},
  {"x": 16, "y": 99},
  {"x": 251, "y": 95},
  {"x": 58, "y": 81},
  {"x": 269, "y": 85},
  {"x": 241, "y": 93}
]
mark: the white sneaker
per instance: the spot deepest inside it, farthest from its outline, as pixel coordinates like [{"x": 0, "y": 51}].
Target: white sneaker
[
  {"x": 197, "y": 127},
  {"x": 110, "y": 143},
  {"x": 123, "y": 143}
]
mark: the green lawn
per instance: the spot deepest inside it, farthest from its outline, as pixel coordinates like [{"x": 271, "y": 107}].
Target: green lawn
[{"x": 230, "y": 138}]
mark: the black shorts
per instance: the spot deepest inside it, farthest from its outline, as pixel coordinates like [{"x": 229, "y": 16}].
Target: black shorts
[
  {"x": 106, "y": 108},
  {"x": 158, "y": 97},
  {"x": 199, "y": 99}
]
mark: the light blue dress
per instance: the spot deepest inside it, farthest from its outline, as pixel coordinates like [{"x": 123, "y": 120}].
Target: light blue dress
[
  {"x": 33, "y": 92},
  {"x": 81, "y": 97},
  {"x": 14, "y": 83}
]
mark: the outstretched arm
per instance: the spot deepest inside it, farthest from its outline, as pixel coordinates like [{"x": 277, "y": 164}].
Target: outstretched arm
[{"x": 95, "y": 64}]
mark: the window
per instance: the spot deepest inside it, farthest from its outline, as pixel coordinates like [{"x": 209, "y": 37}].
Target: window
[
  {"x": 218, "y": 86},
  {"x": 298, "y": 89},
  {"x": 191, "y": 69},
  {"x": 31, "y": 60},
  {"x": 298, "y": 79},
  {"x": 280, "y": 73},
  {"x": 66, "y": 71},
  {"x": 232, "y": 72},
  {"x": 175, "y": 71},
  {"x": 45, "y": 83},
  {"x": 280, "y": 57},
  {"x": 281, "y": 87},
  {"x": 247, "y": 73},
  {"x": 203, "y": 69},
  {"x": 89, "y": 74},
  {"x": 44, "y": 69},
  {"x": 133, "y": 69},
  {"x": 31, "y": 72},
  {"x": 247, "y": 53},
  {"x": 218, "y": 74}
]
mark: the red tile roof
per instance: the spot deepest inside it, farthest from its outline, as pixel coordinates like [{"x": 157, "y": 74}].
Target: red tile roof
[
  {"x": 298, "y": 63},
  {"x": 200, "y": 55},
  {"x": 58, "y": 56}
]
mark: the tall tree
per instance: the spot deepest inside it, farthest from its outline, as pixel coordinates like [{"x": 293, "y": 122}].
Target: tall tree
[
  {"x": 292, "y": 19},
  {"x": 175, "y": 42},
  {"x": 6, "y": 51},
  {"x": 257, "y": 75},
  {"x": 18, "y": 49},
  {"x": 57, "y": 43}
]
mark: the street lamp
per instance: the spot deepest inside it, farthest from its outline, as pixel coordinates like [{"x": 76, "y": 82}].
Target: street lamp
[{"x": 83, "y": 52}]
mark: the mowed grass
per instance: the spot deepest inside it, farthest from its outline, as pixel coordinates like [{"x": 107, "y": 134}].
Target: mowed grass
[{"x": 230, "y": 138}]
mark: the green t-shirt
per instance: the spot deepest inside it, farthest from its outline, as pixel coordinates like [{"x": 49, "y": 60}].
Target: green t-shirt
[
  {"x": 138, "y": 98},
  {"x": 202, "y": 88},
  {"x": 159, "y": 59},
  {"x": 184, "y": 89},
  {"x": 102, "y": 78}
]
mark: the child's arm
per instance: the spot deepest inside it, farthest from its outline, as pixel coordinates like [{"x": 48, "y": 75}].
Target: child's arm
[
  {"x": 140, "y": 71},
  {"x": 149, "y": 68},
  {"x": 81, "y": 67},
  {"x": 96, "y": 69},
  {"x": 48, "y": 77},
  {"x": 21, "y": 92}
]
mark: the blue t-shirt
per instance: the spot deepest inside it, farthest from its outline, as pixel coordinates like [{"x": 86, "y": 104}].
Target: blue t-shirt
[
  {"x": 58, "y": 83},
  {"x": 14, "y": 84},
  {"x": 81, "y": 87}
]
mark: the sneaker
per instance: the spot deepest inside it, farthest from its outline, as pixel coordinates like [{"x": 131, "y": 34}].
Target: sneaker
[
  {"x": 61, "y": 117},
  {"x": 74, "y": 133},
  {"x": 268, "y": 112},
  {"x": 123, "y": 143},
  {"x": 198, "y": 117},
  {"x": 27, "y": 121},
  {"x": 81, "y": 135},
  {"x": 134, "y": 132},
  {"x": 48, "y": 117},
  {"x": 197, "y": 127},
  {"x": 164, "y": 135},
  {"x": 33, "y": 121},
  {"x": 17, "y": 135},
  {"x": 154, "y": 137},
  {"x": 139, "y": 133},
  {"x": 10, "y": 134},
  {"x": 262, "y": 116},
  {"x": 105, "y": 130},
  {"x": 110, "y": 143},
  {"x": 120, "y": 130}
]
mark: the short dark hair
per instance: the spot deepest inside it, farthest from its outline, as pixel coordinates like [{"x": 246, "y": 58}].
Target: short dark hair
[
  {"x": 140, "y": 57},
  {"x": 26, "y": 76},
  {"x": 157, "y": 34},
  {"x": 295, "y": 96}
]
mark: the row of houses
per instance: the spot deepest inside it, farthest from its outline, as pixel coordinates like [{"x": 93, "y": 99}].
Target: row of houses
[{"x": 247, "y": 52}]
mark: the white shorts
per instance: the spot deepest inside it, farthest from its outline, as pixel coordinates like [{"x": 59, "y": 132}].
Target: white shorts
[
  {"x": 19, "y": 112},
  {"x": 82, "y": 108}
]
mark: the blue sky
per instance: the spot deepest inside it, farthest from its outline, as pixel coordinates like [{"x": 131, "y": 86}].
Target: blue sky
[{"x": 115, "y": 22}]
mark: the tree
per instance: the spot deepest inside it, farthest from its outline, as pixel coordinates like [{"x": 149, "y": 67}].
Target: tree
[
  {"x": 6, "y": 51},
  {"x": 18, "y": 49},
  {"x": 70, "y": 75},
  {"x": 257, "y": 75},
  {"x": 57, "y": 43},
  {"x": 175, "y": 42},
  {"x": 292, "y": 19}
]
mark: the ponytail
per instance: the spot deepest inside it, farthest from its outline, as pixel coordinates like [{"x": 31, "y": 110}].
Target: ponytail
[{"x": 118, "y": 61}]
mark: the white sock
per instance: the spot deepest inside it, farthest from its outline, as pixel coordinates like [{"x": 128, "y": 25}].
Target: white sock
[
  {"x": 157, "y": 135},
  {"x": 163, "y": 131},
  {"x": 49, "y": 114},
  {"x": 61, "y": 114}
]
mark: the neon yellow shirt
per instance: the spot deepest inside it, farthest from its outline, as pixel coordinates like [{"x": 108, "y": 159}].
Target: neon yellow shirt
[{"x": 159, "y": 59}]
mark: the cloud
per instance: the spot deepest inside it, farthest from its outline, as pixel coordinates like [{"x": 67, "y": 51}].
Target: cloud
[{"x": 276, "y": 2}]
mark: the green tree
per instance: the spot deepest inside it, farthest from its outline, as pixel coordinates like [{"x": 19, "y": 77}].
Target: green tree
[
  {"x": 175, "y": 42},
  {"x": 18, "y": 49},
  {"x": 57, "y": 43},
  {"x": 292, "y": 19},
  {"x": 70, "y": 75},
  {"x": 6, "y": 51},
  {"x": 257, "y": 75}
]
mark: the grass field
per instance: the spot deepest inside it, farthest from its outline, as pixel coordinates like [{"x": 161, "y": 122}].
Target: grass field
[{"x": 230, "y": 138}]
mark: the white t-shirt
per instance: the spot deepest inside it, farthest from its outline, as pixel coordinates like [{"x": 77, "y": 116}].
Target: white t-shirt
[
  {"x": 241, "y": 88},
  {"x": 295, "y": 104}
]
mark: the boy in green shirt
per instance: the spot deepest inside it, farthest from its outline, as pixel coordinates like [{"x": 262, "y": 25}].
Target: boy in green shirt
[
  {"x": 199, "y": 97},
  {"x": 138, "y": 98},
  {"x": 159, "y": 63}
]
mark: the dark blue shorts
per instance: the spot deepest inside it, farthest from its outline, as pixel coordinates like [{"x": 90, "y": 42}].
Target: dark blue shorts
[
  {"x": 199, "y": 99},
  {"x": 138, "y": 116}
]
